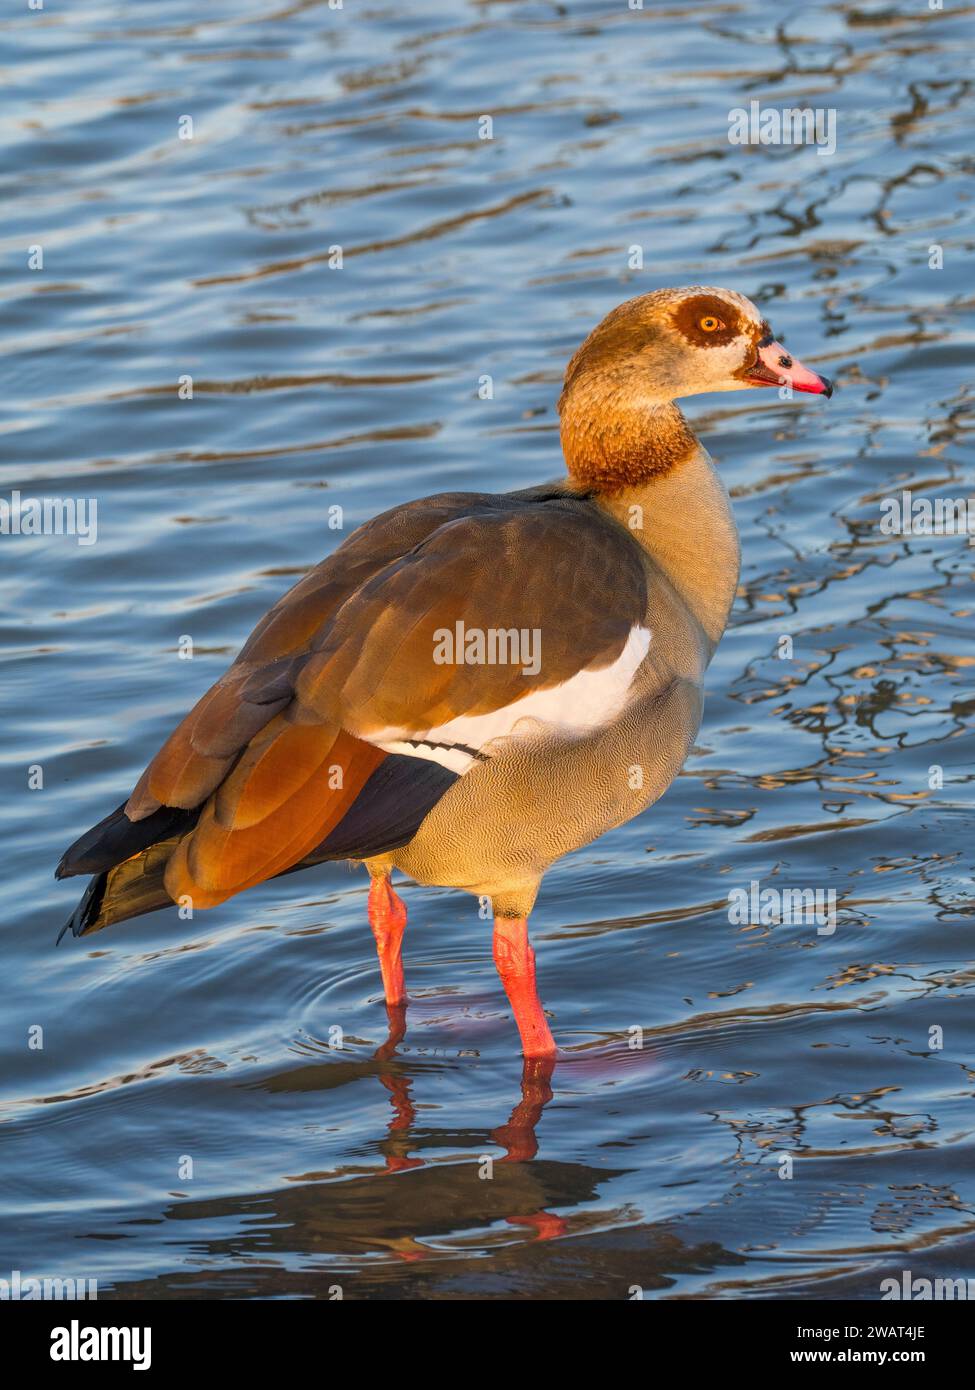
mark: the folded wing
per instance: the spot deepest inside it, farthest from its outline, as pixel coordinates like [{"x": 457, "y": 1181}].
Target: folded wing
[{"x": 281, "y": 761}]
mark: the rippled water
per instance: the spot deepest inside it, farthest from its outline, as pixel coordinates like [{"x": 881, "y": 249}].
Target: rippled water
[{"x": 358, "y": 128}]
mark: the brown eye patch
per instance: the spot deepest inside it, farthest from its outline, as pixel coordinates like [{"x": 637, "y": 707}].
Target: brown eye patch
[{"x": 706, "y": 322}]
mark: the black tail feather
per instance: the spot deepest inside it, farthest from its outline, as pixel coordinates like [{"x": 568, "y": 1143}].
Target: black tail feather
[
  {"x": 129, "y": 858},
  {"x": 116, "y": 838},
  {"x": 87, "y": 910},
  {"x": 130, "y": 889}
]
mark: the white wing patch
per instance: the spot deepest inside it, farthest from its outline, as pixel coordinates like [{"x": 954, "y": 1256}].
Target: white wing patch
[{"x": 587, "y": 700}]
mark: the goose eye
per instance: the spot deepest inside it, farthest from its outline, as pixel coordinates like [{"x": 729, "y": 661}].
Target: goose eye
[{"x": 709, "y": 323}]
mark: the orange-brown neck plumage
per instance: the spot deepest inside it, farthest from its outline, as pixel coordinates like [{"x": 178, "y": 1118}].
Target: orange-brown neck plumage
[{"x": 610, "y": 443}]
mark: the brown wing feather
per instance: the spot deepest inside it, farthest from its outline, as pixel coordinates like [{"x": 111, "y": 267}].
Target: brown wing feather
[
  {"x": 561, "y": 571},
  {"x": 276, "y": 752},
  {"x": 202, "y": 749},
  {"x": 217, "y": 860}
]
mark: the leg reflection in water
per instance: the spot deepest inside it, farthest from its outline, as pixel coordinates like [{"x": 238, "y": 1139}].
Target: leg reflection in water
[
  {"x": 395, "y": 1147},
  {"x": 516, "y": 1137}
]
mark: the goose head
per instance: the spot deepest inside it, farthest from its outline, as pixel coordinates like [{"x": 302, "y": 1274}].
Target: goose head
[
  {"x": 616, "y": 404},
  {"x": 674, "y": 343}
]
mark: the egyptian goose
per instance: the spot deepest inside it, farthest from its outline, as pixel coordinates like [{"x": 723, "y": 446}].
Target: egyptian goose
[{"x": 473, "y": 684}]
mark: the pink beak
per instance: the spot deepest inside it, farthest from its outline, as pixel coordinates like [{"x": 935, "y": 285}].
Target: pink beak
[{"x": 776, "y": 367}]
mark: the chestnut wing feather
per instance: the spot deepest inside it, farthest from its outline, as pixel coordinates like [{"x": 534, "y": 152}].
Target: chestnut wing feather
[{"x": 273, "y": 759}]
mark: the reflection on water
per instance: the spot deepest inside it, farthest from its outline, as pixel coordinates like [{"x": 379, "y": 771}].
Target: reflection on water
[{"x": 223, "y": 1107}]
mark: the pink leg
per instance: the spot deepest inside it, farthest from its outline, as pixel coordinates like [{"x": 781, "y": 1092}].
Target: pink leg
[
  {"x": 387, "y": 917},
  {"x": 515, "y": 960}
]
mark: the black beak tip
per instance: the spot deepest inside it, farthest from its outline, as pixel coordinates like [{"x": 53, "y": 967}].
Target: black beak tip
[{"x": 827, "y": 386}]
